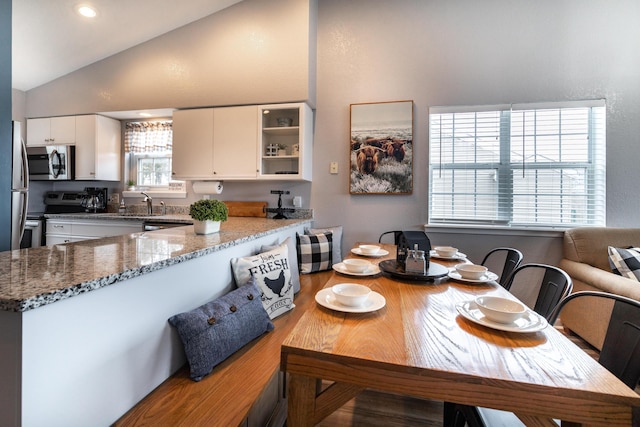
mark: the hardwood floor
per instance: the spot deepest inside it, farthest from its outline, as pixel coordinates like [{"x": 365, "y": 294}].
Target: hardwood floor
[
  {"x": 375, "y": 409},
  {"x": 372, "y": 409}
]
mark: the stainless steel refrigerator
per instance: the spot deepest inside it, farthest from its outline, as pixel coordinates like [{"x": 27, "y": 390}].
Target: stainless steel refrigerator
[{"x": 19, "y": 187}]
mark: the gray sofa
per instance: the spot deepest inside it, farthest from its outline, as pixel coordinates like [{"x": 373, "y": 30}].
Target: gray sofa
[{"x": 586, "y": 260}]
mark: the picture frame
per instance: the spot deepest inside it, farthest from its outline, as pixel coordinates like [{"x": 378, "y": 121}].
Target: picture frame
[{"x": 381, "y": 148}]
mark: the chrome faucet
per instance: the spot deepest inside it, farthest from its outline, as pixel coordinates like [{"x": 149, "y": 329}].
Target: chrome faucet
[{"x": 149, "y": 201}]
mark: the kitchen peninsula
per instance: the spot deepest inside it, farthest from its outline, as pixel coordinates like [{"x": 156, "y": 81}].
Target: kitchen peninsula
[{"x": 83, "y": 326}]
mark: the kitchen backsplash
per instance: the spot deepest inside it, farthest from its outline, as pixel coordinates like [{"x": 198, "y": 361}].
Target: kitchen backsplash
[{"x": 141, "y": 209}]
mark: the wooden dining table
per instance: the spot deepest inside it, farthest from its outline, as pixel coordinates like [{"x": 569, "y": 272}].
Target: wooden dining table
[{"x": 418, "y": 344}]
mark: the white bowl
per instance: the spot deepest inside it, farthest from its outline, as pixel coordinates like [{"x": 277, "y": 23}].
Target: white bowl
[
  {"x": 447, "y": 251},
  {"x": 369, "y": 249},
  {"x": 351, "y": 294},
  {"x": 471, "y": 271},
  {"x": 356, "y": 265},
  {"x": 501, "y": 310}
]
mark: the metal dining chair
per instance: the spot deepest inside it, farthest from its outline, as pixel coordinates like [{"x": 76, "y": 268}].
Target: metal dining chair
[
  {"x": 619, "y": 354},
  {"x": 505, "y": 259},
  {"x": 396, "y": 236},
  {"x": 539, "y": 286}
]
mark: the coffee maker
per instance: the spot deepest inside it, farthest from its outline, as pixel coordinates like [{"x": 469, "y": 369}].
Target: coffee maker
[{"x": 94, "y": 199}]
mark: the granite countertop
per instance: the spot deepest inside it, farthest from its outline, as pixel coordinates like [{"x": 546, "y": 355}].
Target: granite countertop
[{"x": 30, "y": 278}]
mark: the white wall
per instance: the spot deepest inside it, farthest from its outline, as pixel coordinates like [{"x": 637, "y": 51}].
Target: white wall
[
  {"x": 466, "y": 52},
  {"x": 451, "y": 52},
  {"x": 18, "y": 107}
]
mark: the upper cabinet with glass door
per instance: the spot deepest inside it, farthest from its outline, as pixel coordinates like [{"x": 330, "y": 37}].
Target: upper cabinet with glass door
[{"x": 285, "y": 141}]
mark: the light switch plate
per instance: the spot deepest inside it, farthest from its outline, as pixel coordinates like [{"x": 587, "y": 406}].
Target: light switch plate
[
  {"x": 297, "y": 201},
  {"x": 333, "y": 168},
  {"x": 114, "y": 198}
]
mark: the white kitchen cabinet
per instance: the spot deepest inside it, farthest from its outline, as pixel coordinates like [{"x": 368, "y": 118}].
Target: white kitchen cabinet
[
  {"x": 215, "y": 143},
  {"x": 235, "y": 139},
  {"x": 192, "y": 150},
  {"x": 285, "y": 142},
  {"x": 58, "y": 232},
  {"x": 51, "y": 131},
  {"x": 98, "y": 148},
  {"x": 74, "y": 230}
]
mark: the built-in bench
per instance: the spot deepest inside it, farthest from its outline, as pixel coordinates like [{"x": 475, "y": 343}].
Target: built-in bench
[{"x": 244, "y": 390}]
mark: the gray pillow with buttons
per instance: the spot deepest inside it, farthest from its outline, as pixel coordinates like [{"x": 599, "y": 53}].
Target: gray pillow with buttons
[{"x": 217, "y": 329}]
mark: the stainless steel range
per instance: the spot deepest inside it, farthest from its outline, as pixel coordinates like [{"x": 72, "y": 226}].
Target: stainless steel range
[{"x": 91, "y": 199}]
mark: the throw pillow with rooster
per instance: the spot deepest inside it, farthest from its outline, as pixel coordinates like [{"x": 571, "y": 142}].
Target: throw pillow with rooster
[{"x": 272, "y": 270}]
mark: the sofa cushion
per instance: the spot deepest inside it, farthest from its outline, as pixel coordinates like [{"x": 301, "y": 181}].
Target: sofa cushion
[
  {"x": 217, "y": 329},
  {"x": 625, "y": 262},
  {"x": 589, "y": 244}
]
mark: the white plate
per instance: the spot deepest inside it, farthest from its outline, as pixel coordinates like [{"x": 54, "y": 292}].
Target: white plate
[
  {"x": 381, "y": 252},
  {"x": 530, "y": 322},
  {"x": 326, "y": 298},
  {"x": 372, "y": 270},
  {"x": 457, "y": 256},
  {"x": 488, "y": 277}
]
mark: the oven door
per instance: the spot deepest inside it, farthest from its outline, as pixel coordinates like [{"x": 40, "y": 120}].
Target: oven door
[{"x": 33, "y": 232}]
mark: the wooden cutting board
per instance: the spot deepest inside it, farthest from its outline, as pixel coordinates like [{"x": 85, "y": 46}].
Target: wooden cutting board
[{"x": 251, "y": 209}]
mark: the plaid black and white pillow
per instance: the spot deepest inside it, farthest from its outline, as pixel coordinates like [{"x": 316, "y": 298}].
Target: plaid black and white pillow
[
  {"x": 625, "y": 262},
  {"x": 336, "y": 235},
  {"x": 314, "y": 252}
]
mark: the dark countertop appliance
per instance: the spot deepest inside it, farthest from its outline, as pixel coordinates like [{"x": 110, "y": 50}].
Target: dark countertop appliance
[
  {"x": 95, "y": 199},
  {"x": 91, "y": 199}
]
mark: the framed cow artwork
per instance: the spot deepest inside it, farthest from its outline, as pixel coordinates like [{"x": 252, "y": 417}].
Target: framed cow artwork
[{"x": 381, "y": 148}]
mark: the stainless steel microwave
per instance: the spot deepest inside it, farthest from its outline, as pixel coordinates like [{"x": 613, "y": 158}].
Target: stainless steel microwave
[{"x": 51, "y": 162}]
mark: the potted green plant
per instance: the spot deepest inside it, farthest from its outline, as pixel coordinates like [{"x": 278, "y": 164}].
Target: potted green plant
[
  {"x": 282, "y": 150},
  {"x": 207, "y": 215},
  {"x": 131, "y": 185}
]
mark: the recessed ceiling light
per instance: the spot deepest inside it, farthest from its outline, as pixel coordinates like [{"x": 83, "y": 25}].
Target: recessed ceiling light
[
  {"x": 145, "y": 114},
  {"x": 87, "y": 11}
]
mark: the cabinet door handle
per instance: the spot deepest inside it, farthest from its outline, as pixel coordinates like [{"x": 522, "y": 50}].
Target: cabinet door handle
[{"x": 58, "y": 226}]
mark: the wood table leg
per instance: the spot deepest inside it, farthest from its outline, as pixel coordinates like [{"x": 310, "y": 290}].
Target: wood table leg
[{"x": 301, "y": 400}]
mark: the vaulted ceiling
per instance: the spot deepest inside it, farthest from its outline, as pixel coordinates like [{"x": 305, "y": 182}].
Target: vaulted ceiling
[{"x": 50, "y": 39}]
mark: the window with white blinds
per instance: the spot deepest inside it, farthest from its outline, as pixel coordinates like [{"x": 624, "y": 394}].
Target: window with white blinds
[{"x": 525, "y": 165}]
